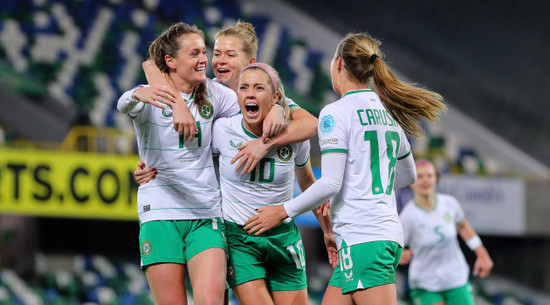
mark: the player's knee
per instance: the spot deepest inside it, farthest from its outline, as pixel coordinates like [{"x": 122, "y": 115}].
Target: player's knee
[{"x": 208, "y": 298}]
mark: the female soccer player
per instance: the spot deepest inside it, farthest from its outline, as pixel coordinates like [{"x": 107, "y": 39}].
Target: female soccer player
[
  {"x": 235, "y": 47},
  {"x": 179, "y": 211},
  {"x": 365, "y": 155},
  {"x": 267, "y": 269},
  {"x": 439, "y": 273}
]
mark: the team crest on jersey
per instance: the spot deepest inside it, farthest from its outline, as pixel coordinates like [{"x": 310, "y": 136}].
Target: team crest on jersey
[
  {"x": 146, "y": 248},
  {"x": 447, "y": 217},
  {"x": 327, "y": 123},
  {"x": 206, "y": 110},
  {"x": 284, "y": 152}
]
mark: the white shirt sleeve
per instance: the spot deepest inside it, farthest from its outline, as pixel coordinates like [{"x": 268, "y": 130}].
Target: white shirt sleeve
[
  {"x": 302, "y": 153},
  {"x": 333, "y": 166},
  {"x": 459, "y": 215},
  {"x": 292, "y": 105},
  {"x": 405, "y": 172},
  {"x": 126, "y": 104},
  {"x": 226, "y": 101},
  {"x": 217, "y": 132}
]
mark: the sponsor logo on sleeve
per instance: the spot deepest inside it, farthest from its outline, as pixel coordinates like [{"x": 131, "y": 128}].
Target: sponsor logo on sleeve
[{"x": 331, "y": 141}]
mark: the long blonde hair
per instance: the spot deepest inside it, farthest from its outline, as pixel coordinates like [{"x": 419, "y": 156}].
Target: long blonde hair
[
  {"x": 168, "y": 43},
  {"x": 408, "y": 104}
]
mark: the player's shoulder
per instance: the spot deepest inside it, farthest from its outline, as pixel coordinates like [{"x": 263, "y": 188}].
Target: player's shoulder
[
  {"x": 447, "y": 199},
  {"x": 336, "y": 108},
  {"x": 215, "y": 88}
]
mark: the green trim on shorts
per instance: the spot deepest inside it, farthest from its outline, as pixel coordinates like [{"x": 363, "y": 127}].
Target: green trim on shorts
[
  {"x": 367, "y": 265},
  {"x": 457, "y": 296},
  {"x": 277, "y": 256},
  {"x": 177, "y": 241}
]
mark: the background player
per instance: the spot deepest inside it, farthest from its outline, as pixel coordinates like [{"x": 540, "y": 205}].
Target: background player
[{"x": 438, "y": 273}]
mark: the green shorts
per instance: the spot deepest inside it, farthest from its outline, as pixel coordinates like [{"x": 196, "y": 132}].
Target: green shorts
[
  {"x": 177, "y": 241},
  {"x": 335, "y": 279},
  {"x": 457, "y": 296},
  {"x": 367, "y": 265},
  {"x": 277, "y": 255}
]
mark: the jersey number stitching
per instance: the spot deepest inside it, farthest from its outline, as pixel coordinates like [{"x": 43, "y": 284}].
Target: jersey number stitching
[{"x": 392, "y": 138}]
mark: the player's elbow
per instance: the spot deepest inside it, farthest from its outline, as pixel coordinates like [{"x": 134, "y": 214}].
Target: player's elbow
[{"x": 332, "y": 186}]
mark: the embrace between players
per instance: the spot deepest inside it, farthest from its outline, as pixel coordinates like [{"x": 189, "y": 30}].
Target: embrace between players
[{"x": 234, "y": 225}]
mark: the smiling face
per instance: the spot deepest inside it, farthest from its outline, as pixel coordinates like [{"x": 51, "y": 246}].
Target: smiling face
[
  {"x": 426, "y": 180},
  {"x": 229, "y": 60},
  {"x": 256, "y": 97},
  {"x": 189, "y": 64}
]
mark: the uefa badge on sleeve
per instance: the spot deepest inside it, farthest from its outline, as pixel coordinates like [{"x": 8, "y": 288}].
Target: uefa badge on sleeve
[{"x": 327, "y": 123}]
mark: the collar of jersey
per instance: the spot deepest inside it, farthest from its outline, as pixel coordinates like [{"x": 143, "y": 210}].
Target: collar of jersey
[
  {"x": 191, "y": 96},
  {"x": 425, "y": 210},
  {"x": 357, "y": 91},
  {"x": 248, "y": 133}
]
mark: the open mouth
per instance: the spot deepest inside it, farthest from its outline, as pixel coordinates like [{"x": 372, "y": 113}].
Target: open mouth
[
  {"x": 252, "y": 108},
  {"x": 222, "y": 71},
  {"x": 200, "y": 69}
]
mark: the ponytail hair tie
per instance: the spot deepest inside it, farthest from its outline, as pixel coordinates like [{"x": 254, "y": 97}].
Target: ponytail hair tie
[{"x": 373, "y": 57}]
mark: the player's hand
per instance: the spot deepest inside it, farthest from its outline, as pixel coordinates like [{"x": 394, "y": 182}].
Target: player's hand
[
  {"x": 250, "y": 153},
  {"x": 158, "y": 96},
  {"x": 267, "y": 218},
  {"x": 273, "y": 123},
  {"x": 332, "y": 250},
  {"x": 483, "y": 265},
  {"x": 144, "y": 175},
  {"x": 405, "y": 257},
  {"x": 184, "y": 122},
  {"x": 324, "y": 209}
]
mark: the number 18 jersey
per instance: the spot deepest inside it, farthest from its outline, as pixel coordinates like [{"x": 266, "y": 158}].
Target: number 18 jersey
[{"x": 359, "y": 126}]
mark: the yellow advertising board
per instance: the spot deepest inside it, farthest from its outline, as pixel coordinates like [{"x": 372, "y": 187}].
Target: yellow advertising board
[{"x": 67, "y": 184}]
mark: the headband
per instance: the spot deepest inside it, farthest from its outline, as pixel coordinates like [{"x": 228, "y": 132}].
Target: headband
[{"x": 267, "y": 70}]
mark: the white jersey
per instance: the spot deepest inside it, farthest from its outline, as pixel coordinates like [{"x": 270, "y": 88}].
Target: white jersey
[
  {"x": 437, "y": 263},
  {"x": 358, "y": 125},
  {"x": 270, "y": 183},
  {"x": 292, "y": 105},
  {"x": 185, "y": 186}
]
